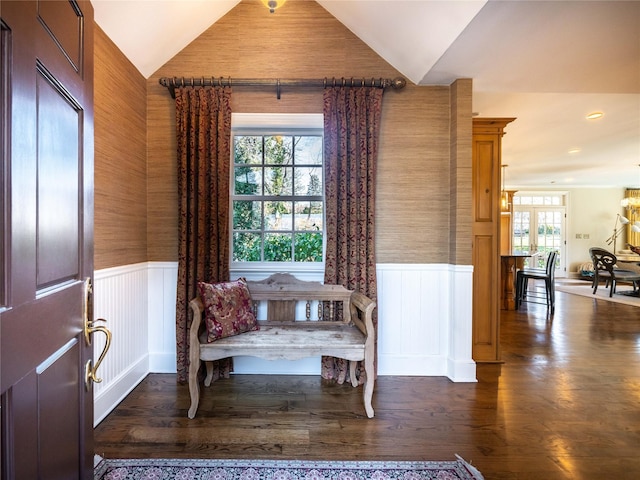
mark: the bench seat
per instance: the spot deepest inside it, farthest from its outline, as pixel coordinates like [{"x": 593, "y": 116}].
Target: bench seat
[{"x": 287, "y": 342}]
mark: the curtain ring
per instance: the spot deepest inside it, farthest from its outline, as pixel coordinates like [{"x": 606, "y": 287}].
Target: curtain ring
[
  {"x": 334, "y": 82},
  {"x": 343, "y": 82},
  {"x": 324, "y": 83},
  {"x": 182, "y": 82}
]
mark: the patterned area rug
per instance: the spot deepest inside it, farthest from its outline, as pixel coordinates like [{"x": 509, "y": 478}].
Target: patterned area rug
[{"x": 170, "y": 469}]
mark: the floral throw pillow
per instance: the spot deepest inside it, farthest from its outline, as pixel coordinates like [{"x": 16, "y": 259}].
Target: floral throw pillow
[{"x": 228, "y": 309}]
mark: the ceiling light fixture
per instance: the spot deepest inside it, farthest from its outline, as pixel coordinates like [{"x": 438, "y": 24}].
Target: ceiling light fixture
[
  {"x": 273, "y": 5},
  {"x": 630, "y": 203},
  {"x": 595, "y": 115}
]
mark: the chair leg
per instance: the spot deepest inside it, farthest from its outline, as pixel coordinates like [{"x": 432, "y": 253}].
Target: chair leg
[
  {"x": 547, "y": 287},
  {"x": 551, "y": 296}
]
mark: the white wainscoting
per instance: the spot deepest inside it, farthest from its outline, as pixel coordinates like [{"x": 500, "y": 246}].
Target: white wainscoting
[
  {"x": 424, "y": 321},
  {"x": 424, "y": 326},
  {"x": 120, "y": 297}
]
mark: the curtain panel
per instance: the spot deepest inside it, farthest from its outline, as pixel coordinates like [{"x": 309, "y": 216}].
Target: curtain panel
[
  {"x": 203, "y": 130},
  {"x": 634, "y": 216},
  {"x": 351, "y": 130}
]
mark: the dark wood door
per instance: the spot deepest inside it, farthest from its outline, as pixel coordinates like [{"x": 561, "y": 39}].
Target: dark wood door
[{"x": 47, "y": 238}]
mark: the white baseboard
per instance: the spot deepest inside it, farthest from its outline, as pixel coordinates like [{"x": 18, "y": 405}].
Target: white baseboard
[
  {"x": 162, "y": 362},
  {"x": 109, "y": 398},
  {"x": 259, "y": 366},
  {"x": 461, "y": 371},
  {"x": 412, "y": 365}
]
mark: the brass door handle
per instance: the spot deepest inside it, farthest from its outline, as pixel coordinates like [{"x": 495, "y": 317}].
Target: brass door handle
[
  {"x": 90, "y": 327},
  {"x": 92, "y": 371}
]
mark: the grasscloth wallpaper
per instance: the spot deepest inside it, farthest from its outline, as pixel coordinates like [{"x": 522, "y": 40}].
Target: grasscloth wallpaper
[
  {"x": 423, "y": 210},
  {"x": 120, "y": 158}
]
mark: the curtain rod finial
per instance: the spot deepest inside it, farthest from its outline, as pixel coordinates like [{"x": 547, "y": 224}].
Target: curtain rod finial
[{"x": 398, "y": 83}]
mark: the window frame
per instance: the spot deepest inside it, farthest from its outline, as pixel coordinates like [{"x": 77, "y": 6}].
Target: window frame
[{"x": 247, "y": 124}]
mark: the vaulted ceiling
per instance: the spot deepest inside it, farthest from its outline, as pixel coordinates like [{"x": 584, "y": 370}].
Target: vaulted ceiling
[{"x": 548, "y": 63}]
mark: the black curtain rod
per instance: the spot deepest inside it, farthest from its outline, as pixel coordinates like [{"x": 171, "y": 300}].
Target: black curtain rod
[{"x": 172, "y": 83}]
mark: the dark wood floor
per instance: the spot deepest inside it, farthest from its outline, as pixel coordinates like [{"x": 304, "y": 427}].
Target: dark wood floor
[{"x": 565, "y": 404}]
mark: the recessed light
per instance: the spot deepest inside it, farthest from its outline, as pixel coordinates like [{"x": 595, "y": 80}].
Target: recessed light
[
  {"x": 573, "y": 151},
  {"x": 594, "y": 115}
]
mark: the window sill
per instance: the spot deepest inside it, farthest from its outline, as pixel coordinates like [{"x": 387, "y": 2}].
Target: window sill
[{"x": 259, "y": 271}]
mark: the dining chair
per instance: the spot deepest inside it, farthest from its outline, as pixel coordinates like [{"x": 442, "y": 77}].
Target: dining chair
[
  {"x": 604, "y": 268},
  {"x": 547, "y": 274}
]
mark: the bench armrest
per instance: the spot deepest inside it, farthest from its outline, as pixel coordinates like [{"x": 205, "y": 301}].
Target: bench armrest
[
  {"x": 194, "y": 331},
  {"x": 362, "y": 314}
]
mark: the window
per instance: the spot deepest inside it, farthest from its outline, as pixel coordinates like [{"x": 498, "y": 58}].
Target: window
[{"x": 277, "y": 192}]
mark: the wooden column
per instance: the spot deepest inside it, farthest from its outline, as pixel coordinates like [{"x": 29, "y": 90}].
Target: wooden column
[{"x": 486, "y": 162}]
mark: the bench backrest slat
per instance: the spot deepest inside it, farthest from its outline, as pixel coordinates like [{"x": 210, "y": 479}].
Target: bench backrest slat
[{"x": 283, "y": 293}]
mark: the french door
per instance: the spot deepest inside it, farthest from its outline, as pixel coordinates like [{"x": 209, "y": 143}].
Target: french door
[{"x": 539, "y": 230}]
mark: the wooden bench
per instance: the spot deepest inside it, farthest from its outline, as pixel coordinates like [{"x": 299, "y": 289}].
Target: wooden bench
[{"x": 297, "y": 319}]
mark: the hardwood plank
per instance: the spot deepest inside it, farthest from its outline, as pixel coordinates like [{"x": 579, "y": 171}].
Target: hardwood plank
[{"x": 564, "y": 405}]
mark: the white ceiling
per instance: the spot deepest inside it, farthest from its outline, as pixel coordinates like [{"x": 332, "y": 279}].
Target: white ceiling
[{"x": 548, "y": 63}]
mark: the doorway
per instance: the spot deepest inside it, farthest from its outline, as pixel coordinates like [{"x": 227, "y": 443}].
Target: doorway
[{"x": 539, "y": 226}]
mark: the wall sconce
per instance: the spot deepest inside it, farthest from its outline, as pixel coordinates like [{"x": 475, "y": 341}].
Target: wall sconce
[
  {"x": 273, "y": 5},
  {"x": 505, "y": 206}
]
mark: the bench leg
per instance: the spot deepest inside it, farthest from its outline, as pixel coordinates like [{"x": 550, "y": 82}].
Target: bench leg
[
  {"x": 352, "y": 372},
  {"x": 194, "y": 388},
  {"x": 368, "y": 385},
  {"x": 209, "y": 377}
]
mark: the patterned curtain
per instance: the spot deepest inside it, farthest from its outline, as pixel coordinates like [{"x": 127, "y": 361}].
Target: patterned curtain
[
  {"x": 203, "y": 128},
  {"x": 351, "y": 128},
  {"x": 634, "y": 216}
]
